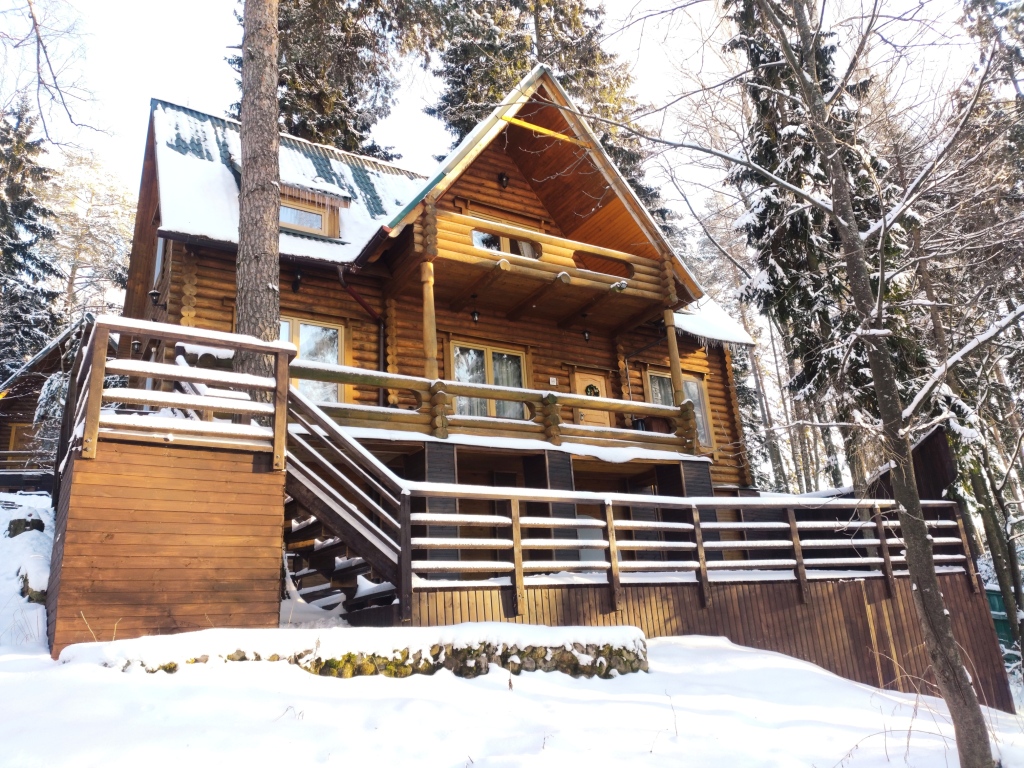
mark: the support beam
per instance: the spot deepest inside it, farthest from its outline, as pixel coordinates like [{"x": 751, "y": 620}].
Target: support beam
[
  {"x": 535, "y": 298},
  {"x": 485, "y": 281},
  {"x": 641, "y": 317},
  {"x": 673, "y": 355},
  {"x": 429, "y": 321},
  {"x": 570, "y": 319}
]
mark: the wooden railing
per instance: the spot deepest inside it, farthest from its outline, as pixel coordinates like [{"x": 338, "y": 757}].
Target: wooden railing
[
  {"x": 19, "y": 460},
  {"x": 542, "y": 411},
  {"x": 829, "y": 539},
  {"x": 641, "y": 277},
  {"x": 132, "y": 412}
]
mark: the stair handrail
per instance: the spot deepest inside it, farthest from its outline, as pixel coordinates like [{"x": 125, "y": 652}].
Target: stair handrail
[{"x": 361, "y": 455}]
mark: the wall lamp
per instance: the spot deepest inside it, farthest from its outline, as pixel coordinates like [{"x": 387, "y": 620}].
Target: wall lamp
[
  {"x": 503, "y": 180},
  {"x": 154, "y": 296}
]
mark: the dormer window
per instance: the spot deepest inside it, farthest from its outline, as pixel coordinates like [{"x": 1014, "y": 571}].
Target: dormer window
[
  {"x": 302, "y": 219},
  {"x": 311, "y": 213}
]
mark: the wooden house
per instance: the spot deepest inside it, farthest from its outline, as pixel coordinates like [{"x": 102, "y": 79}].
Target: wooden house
[{"x": 499, "y": 394}]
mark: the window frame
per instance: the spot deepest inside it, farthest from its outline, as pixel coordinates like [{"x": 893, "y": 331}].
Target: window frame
[
  {"x": 344, "y": 347},
  {"x": 489, "y": 350},
  {"x": 700, "y": 380}
]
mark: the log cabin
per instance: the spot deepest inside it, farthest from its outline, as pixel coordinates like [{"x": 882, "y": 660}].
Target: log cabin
[{"x": 499, "y": 395}]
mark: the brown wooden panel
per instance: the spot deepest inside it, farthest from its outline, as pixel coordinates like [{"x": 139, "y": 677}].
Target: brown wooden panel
[
  {"x": 839, "y": 628},
  {"x": 160, "y": 539}
]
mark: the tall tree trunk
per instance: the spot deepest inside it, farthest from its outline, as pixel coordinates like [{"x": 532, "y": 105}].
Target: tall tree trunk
[
  {"x": 997, "y": 549},
  {"x": 258, "y": 271},
  {"x": 834, "y": 472},
  {"x": 954, "y": 683}
]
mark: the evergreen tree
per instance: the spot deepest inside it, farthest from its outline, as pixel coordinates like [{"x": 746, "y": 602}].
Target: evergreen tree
[
  {"x": 27, "y": 316},
  {"x": 802, "y": 285},
  {"x": 493, "y": 45},
  {"x": 338, "y": 63}
]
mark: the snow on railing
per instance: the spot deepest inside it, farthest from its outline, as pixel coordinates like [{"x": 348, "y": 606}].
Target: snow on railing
[{"x": 142, "y": 411}]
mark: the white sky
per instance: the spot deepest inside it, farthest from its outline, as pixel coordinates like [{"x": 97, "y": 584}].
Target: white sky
[
  {"x": 134, "y": 50},
  {"x": 175, "y": 50}
]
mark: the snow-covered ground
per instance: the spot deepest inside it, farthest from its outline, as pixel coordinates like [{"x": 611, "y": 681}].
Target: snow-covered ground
[{"x": 705, "y": 702}]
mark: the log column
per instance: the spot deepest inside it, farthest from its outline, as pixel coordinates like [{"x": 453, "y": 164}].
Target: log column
[
  {"x": 429, "y": 321},
  {"x": 673, "y": 356}
]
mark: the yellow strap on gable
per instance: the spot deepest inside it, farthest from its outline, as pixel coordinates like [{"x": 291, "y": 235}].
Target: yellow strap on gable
[{"x": 545, "y": 131}]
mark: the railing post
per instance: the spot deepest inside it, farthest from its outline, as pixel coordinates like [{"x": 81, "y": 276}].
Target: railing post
[
  {"x": 280, "y": 410},
  {"x": 702, "y": 563},
  {"x": 798, "y": 554},
  {"x": 518, "y": 585},
  {"x": 883, "y": 545},
  {"x": 551, "y": 418},
  {"x": 972, "y": 574},
  {"x": 438, "y": 410},
  {"x": 405, "y": 558},
  {"x": 614, "y": 578},
  {"x": 97, "y": 373}
]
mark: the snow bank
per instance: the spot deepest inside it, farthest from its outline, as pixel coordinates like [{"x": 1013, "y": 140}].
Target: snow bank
[
  {"x": 706, "y": 702},
  {"x": 24, "y": 567},
  {"x": 709, "y": 322},
  {"x": 336, "y": 643}
]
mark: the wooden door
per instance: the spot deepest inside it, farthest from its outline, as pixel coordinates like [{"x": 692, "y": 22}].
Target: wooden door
[{"x": 595, "y": 385}]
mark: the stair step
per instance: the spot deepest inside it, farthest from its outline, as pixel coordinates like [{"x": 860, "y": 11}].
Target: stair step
[
  {"x": 382, "y": 597},
  {"x": 315, "y": 530}
]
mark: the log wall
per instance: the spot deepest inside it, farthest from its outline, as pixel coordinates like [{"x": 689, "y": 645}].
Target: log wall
[
  {"x": 203, "y": 281},
  {"x": 849, "y": 627},
  {"x": 156, "y": 539}
]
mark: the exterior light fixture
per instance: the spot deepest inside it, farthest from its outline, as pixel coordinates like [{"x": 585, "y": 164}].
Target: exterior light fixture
[
  {"x": 503, "y": 180},
  {"x": 154, "y": 296},
  {"x": 136, "y": 347},
  {"x": 297, "y": 282},
  {"x": 475, "y": 315},
  {"x": 586, "y": 335}
]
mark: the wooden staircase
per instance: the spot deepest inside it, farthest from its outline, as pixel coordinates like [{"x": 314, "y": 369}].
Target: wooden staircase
[{"x": 341, "y": 523}]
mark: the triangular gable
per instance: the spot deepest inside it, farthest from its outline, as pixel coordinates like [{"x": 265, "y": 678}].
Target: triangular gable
[{"x": 622, "y": 222}]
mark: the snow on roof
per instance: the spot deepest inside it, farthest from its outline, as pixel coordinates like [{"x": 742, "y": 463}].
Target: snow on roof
[
  {"x": 198, "y": 160},
  {"x": 706, "y": 320}
]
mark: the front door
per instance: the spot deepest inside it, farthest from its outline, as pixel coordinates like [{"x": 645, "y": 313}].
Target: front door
[{"x": 594, "y": 385}]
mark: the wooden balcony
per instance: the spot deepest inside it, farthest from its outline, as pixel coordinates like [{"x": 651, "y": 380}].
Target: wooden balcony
[{"x": 543, "y": 412}]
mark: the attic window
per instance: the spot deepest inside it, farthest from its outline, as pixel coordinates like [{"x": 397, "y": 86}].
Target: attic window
[
  {"x": 312, "y": 213},
  {"x": 492, "y": 242},
  {"x": 606, "y": 265}
]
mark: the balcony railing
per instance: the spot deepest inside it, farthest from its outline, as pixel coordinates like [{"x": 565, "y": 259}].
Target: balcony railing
[{"x": 543, "y": 419}]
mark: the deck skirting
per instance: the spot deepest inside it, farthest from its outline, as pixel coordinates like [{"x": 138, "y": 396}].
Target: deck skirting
[{"x": 849, "y": 627}]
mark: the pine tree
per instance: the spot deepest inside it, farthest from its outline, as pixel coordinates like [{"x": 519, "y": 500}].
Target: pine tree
[
  {"x": 338, "y": 65},
  {"x": 493, "y": 45},
  {"x": 27, "y": 316}
]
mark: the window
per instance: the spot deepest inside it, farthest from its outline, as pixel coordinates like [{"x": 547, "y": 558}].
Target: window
[
  {"x": 318, "y": 343},
  {"x": 660, "y": 386},
  {"x": 159, "y": 266},
  {"x": 299, "y": 218},
  {"x": 480, "y": 364},
  {"x": 317, "y": 215},
  {"x": 21, "y": 437},
  {"x": 491, "y": 242}
]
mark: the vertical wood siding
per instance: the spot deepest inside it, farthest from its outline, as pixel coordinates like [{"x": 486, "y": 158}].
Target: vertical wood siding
[{"x": 848, "y": 627}]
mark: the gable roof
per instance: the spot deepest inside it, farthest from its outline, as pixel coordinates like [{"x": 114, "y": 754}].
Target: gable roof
[
  {"x": 196, "y": 151},
  {"x": 477, "y": 140}
]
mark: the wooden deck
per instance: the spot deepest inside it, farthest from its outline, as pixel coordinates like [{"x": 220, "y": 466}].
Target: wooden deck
[{"x": 170, "y": 524}]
